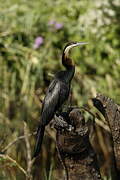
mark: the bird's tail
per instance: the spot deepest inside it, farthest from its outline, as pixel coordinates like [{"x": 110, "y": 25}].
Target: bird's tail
[{"x": 40, "y": 134}]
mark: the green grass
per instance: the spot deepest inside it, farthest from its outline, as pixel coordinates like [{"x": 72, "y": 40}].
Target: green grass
[{"x": 23, "y": 69}]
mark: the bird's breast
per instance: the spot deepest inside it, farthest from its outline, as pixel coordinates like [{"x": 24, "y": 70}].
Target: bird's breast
[{"x": 64, "y": 92}]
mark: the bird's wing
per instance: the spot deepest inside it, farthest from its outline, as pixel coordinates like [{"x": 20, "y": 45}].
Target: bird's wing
[{"x": 50, "y": 102}]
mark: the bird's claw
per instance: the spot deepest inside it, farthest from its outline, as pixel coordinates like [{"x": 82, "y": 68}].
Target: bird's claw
[
  {"x": 60, "y": 123},
  {"x": 70, "y": 128}
]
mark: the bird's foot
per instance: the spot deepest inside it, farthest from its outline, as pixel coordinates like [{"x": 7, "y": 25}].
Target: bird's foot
[{"x": 61, "y": 124}]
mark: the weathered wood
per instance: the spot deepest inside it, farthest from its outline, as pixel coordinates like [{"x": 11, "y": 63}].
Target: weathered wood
[
  {"x": 90, "y": 150},
  {"x": 111, "y": 112},
  {"x": 75, "y": 151}
]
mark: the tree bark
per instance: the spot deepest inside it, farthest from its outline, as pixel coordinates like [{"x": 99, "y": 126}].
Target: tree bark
[
  {"x": 75, "y": 151},
  {"x": 111, "y": 112},
  {"x": 90, "y": 150}
]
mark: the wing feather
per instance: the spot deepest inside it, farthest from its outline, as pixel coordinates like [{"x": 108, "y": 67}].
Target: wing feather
[
  {"x": 50, "y": 102},
  {"x": 56, "y": 94}
]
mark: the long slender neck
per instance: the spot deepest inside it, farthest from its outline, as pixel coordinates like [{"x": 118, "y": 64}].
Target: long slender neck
[
  {"x": 69, "y": 73},
  {"x": 66, "y": 61},
  {"x": 70, "y": 68}
]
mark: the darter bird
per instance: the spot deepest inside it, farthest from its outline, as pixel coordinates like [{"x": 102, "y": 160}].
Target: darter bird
[{"x": 57, "y": 93}]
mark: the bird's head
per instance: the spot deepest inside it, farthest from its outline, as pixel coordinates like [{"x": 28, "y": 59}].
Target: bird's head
[{"x": 66, "y": 61}]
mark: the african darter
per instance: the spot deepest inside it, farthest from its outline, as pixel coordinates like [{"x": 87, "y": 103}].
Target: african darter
[{"x": 57, "y": 94}]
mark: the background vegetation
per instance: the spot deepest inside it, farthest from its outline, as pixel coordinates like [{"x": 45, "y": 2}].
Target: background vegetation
[{"x": 32, "y": 36}]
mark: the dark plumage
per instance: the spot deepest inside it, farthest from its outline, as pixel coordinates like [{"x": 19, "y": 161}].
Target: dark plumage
[{"x": 56, "y": 95}]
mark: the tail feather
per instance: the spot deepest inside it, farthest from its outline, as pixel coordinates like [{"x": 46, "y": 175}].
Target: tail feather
[{"x": 40, "y": 134}]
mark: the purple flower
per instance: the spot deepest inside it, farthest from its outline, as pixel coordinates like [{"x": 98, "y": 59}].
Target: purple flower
[
  {"x": 38, "y": 42},
  {"x": 58, "y": 26},
  {"x": 55, "y": 24}
]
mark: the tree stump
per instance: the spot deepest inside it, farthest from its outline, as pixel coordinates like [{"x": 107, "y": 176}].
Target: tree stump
[
  {"x": 75, "y": 151},
  {"x": 89, "y": 150}
]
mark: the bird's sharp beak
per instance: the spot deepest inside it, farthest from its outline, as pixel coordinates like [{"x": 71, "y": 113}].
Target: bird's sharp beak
[{"x": 77, "y": 44}]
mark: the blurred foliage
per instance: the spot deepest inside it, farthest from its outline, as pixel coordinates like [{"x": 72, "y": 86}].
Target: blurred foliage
[{"x": 25, "y": 72}]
